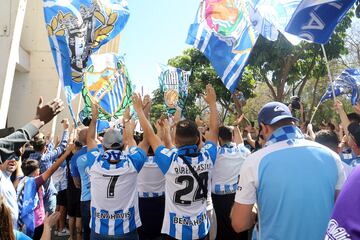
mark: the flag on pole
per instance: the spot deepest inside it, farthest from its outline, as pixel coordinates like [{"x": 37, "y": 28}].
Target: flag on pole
[
  {"x": 223, "y": 32},
  {"x": 107, "y": 84},
  {"x": 347, "y": 83},
  {"x": 174, "y": 83},
  {"x": 315, "y": 21},
  {"x": 76, "y": 29}
]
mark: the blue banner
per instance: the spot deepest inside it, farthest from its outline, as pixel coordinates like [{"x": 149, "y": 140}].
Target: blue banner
[
  {"x": 224, "y": 33},
  {"x": 315, "y": 21},
  {"x": 347, "y": 83},
  {"x": 76, "y": 29}
]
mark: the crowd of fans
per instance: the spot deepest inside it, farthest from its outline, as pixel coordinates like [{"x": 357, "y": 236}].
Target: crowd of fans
[{"x": 182, "y": 179}]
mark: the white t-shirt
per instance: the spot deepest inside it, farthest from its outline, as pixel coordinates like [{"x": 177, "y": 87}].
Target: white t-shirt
[
  {"x": 151, "y": 181},
  {"x": 226, "y": 170}
]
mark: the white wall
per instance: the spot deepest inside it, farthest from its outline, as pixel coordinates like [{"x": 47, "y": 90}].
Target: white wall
[{"x": 42, "y": 79}]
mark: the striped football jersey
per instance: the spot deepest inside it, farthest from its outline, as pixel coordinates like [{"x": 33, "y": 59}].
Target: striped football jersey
[
  {"x": 224, "y": 176},
  {"x": 114, "y": 200},
  {"x": 151, "y": 181},
  {"x": 185, "y": 202}
]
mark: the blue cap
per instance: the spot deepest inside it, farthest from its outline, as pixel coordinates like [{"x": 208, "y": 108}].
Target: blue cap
[{"x": 273, "y": 112}]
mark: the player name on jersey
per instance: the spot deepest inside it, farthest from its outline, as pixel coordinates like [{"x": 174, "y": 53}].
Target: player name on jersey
[{"x": 198, "y": 168}]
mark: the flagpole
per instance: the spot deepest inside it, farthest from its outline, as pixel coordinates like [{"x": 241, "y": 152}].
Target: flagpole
[
  {"x": 329, "y": 72},
  {"x": 53, "y": 125},
  {"x": 79, "y": 106}
]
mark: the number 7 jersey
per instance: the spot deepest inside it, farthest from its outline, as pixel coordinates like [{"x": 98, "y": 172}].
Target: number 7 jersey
[
  {"x": 114, "y": 199},
  {"x": 185, "y": 201}
]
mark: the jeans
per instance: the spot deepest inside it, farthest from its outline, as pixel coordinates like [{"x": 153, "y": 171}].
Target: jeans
[
  {"x": 128, "y": 236},
  {"x": 50, "y": 204},
  {"x": 85, "y": 219}
]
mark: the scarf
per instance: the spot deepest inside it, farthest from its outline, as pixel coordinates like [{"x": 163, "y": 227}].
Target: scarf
[{"x": 289, "y": 132}]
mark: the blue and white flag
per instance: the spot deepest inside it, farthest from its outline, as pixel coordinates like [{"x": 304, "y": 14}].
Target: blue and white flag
[
  {"x": 174, "y": 83},
  {"x": 315, "y": 20},
  {"x": 28, "y": 200},
  {"x": 76, "y": 29},
  {"x": 224, "y": 33},
  {"x": 347, "y": 83},
  {"x": 106, "y": 81}
]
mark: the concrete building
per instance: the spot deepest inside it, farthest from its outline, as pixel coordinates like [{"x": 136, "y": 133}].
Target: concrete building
[{"x": 27, "y": 69}]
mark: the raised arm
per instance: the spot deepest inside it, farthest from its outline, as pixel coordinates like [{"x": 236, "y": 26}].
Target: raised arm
[
  {"x": 154, "y": 140},
  {"x": 129, "y": 129},
  {"x": 47, "y": 174},
  {"x": 91, "y": 134},
  {"x": 44, "y": 113},
  {"x": 238, "y": 139},
  {"x": 344, "y": 119},
  {"x": 210, "y": 98}
]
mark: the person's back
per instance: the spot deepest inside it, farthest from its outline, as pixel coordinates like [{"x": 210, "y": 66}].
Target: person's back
[
  {"x": 292, "y": 180},
  {"x": 185, "y": 201},
  {"x": 114, "y": 199},
  {"x": 295, "y": 182}
]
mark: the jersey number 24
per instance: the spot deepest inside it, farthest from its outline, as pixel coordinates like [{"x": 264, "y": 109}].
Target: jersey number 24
[{"x": 199, "y": 195}]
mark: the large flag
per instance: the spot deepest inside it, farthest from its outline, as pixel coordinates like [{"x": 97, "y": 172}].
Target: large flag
[
  {"x": 226, "y": 31},
  {"x": 76, "y": 29},
  {"x": 174, "y": 84},
  {"x": 107, "y": 84},
  {"x": 315, "y": 20},
  {"x": 347, "y": 83}
]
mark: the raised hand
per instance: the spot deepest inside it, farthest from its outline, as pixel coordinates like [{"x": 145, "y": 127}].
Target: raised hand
[
  {"x": 210, "y": 96},
  {"x": 65, "y": 123},
  {"x": 127, "y": 116},
  {"x": 94, "y": 111},
  {"x": 137, "y": 102},
  {"x": 47, "y": 112}
]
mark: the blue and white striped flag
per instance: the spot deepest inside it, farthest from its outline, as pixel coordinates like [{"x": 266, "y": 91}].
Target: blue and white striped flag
[
  {"x": 315, "y": 20},
  {"x": 105, "y": 80},
  {"x": 78, "y": 28},
  {"x": 225, "y": 34},
  {"x": 347, "y": 83},
  {"x": 174, "y": 83}
]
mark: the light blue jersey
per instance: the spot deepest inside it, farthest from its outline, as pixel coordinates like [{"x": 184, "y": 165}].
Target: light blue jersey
[
  {"x": 293, "y": 182},
  {"x": 80, "y": 166}
]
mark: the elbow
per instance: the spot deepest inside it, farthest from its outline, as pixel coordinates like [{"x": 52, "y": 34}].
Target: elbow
[{"x": 238, "y": 226}]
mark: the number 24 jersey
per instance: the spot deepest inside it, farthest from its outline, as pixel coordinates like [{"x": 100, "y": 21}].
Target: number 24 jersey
[{"x": 185, "y": 202}]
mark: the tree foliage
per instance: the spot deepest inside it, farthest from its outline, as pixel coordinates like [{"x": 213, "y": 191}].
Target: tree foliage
[{"x": 202, "y": 74}]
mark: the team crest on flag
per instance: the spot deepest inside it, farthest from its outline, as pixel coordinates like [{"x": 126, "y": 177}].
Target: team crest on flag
[
  {"x": 174, "y": 84},
  {"x": 76, "y": 29},
  {"x": 107, "y": 84}
]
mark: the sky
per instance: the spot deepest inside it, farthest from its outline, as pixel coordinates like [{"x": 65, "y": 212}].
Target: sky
[{"x": 156, "y": 31}]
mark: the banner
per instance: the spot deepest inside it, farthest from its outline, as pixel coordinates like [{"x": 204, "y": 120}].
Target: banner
[
  {"x": 225, "y": 32},
  {"x": 174, "y": 84},
  {"x": 347, "y": 83},
  {"x": 76, "y": 29},
  {"x": 107, "y": 84},
  {"x": 315, "y": 21}
]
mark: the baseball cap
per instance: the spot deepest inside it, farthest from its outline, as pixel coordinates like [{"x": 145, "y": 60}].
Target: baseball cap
[
  {"x": 112, "y": 139},
  {"x": 273, "y": 112},
  {"x": 354, "y": 130}
]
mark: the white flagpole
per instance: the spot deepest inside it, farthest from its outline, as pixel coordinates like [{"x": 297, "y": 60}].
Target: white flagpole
[
  {"x": 53, "y": 125},
  {"x": 329, "y": 72},
  {"x": 330, "y": 79}
]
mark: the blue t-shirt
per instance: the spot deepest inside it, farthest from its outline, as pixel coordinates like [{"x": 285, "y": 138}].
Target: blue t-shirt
[
  {"x": 21, "y": 236},
  {"x": 293, "y": 183},
  {"x": 80, "y": 166}
]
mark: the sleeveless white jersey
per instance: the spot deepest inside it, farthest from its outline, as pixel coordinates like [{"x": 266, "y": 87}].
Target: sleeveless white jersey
[
  {"x": 226, "y": 170},
  {"x": 114, "y": 200},
  {"x": 151, "y": 181},
  {"x": 185, "y": 202}
]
